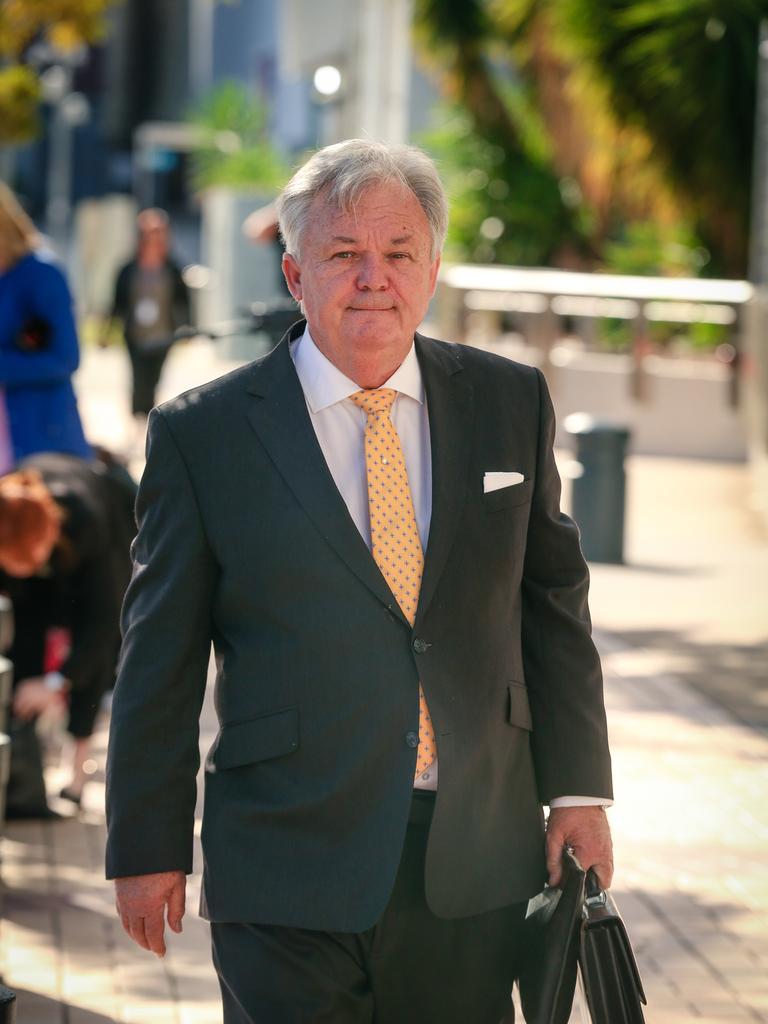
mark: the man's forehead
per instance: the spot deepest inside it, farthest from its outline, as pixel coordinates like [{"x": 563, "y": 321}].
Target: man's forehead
[
  {"x": 390, "y": 206},
  {"x": 401, "y": 237}
]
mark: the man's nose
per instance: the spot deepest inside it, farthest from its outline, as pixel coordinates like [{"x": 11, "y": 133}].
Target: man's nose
[{"x": 372, "y": 273}]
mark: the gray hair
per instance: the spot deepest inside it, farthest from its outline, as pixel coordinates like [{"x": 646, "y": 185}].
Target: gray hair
[{"x": 346, "y": 170}]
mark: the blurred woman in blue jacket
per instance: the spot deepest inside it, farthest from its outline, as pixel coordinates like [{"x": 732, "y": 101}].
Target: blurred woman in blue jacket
[{"x": 38, "y": 342}]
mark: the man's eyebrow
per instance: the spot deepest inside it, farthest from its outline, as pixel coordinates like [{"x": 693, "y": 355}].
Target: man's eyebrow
[{"x": 349, "y": 240}]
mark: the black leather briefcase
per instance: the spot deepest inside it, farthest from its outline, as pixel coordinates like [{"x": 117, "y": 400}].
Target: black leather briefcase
[
  {"x": 609, "y": 973},
  {"x": 578, "y": 927},
  {"x": 547, "y": 978}
]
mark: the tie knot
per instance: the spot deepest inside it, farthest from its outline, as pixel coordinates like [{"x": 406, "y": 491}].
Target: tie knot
[{"x": 375, "y": 400}]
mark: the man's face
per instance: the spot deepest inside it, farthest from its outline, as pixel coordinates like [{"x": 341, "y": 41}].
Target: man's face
[{"x": 365, "y": 279}]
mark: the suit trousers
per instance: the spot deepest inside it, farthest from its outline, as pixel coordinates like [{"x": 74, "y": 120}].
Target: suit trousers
[{"x": 410, "y": 968}]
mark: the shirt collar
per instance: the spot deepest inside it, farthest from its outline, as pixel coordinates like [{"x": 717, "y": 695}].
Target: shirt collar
[{"x": 324, "y": 384}]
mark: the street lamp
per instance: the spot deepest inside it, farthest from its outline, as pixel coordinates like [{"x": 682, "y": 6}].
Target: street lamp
[{"x": 327, "y": 81}]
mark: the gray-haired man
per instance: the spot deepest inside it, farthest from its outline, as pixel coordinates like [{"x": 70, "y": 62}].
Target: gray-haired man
[{"x": 365, "y": 524}]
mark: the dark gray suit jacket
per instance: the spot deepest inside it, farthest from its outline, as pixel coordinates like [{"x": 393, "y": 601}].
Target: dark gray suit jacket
[{"x": 245, "y": 542}]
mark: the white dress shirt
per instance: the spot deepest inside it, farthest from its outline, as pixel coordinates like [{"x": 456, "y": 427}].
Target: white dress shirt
[{"x": 340, "y": 428}]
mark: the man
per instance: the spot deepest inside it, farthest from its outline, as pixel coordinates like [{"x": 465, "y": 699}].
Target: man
[
  {"x": 152, "y": 301},
  {"x": 366, "y": 525}
]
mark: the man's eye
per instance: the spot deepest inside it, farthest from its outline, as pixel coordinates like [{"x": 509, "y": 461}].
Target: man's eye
[
  {"x": 401, "y": 255},
  {"x": 346, "y": 255}
]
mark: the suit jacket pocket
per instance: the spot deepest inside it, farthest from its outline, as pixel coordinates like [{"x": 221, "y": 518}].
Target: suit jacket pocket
[
  {"x": 508, "y": 497},
  {"x": 518, "y": 709},
  {"x": 257, "y": 739}
]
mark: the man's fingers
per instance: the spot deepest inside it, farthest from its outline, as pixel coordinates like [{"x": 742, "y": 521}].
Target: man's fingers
[
  {"x": 585, "y": 829},
  {"x": 604, "y": 872},
  {"x": 141, "y": 903},
  {"x": 136, "y": 931},
  {"x": 176, "y": 905},
  {"x": 554, "y": 851},
  {"x": 154, "y": 931},
  {"x": 146, "y": 932}
]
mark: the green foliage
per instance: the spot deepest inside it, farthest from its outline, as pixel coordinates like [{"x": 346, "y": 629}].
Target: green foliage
[
  {"x": 647, "y": 105},
  {"x": 19, "y": 100},
  {"x": 505, "y": 207},
  {"x": 708, "y": 336},
  {"x": 614, "y": 335},
  {"x": 66, "y": 25},
  {"x": 230, "y": 107},
  {"x": 236, "y": 149},
  {"x": 684, "y": 71},
  {"x": 658, "y": 250}
]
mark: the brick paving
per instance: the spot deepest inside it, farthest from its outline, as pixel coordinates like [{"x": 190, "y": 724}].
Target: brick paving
[{"x": 691, "y": 815}]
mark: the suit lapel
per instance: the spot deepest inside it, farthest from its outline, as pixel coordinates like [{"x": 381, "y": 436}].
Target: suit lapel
[
  {"x": 278, "y": 414},
  {"x": 451, "y": 409}
]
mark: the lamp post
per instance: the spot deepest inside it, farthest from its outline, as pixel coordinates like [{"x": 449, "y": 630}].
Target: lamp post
[{"x": 69, "y": 110}]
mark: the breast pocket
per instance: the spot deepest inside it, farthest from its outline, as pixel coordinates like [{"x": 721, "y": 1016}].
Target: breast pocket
[
  {"x": 261, "y": 738},
  {"x": 508, "y": 497}
]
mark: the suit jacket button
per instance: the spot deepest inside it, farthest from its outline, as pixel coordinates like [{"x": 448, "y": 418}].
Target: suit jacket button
[
  {"x": 412, "y": 739},
  {"x": 420, "y": 646}
]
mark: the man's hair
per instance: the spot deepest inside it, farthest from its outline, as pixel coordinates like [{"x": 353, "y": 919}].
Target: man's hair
[
  {"x": 345, "y": 171},
  {"x": 152, "y": 217},
  {"x": 18, "y": 234}
]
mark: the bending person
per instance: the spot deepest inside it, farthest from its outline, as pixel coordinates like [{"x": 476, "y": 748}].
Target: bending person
[{"x": 64, "y": 563}]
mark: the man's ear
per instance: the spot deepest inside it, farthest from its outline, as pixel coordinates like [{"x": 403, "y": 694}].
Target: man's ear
[
  {"x": 292, "y": 274},
  {"x": 433, "y": 276}
]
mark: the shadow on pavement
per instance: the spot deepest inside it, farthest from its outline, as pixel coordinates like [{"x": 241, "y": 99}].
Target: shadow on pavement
[
  {"x": 40, "y": 1007},
  {"x": 732, "y": 675}
]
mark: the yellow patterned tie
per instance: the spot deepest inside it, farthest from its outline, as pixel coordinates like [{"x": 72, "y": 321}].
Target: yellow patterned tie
[{"x": 395, "y": 541}]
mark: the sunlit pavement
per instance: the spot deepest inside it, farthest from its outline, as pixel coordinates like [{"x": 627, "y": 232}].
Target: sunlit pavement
[{"x": 683, "y": 622}]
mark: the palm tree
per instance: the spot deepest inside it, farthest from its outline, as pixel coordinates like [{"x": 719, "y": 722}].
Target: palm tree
[
  {"x": 648, "y": 105},
  {"x": 684, "y": 73}
]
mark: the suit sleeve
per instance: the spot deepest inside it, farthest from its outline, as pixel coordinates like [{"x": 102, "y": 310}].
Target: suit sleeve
[
  {"x": 153, "y": 753},
  {"x": 562, "y": 667}
]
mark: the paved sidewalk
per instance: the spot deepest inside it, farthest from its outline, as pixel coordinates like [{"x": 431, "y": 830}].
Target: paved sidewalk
[{"x": 686, "y": 621}]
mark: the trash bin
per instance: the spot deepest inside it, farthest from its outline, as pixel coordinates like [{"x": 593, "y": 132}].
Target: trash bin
[{"x": 599, "y": 485}]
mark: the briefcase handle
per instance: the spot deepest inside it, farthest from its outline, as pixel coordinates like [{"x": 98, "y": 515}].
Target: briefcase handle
[{"x": 594, "y": 894}]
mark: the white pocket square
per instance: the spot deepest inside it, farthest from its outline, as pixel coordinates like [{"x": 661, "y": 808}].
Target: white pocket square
[{"x": 493, "y": 481}]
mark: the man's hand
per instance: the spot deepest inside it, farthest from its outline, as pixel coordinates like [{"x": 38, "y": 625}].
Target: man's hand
[
  {"x": 31, "y": 697},
  {"x": 141, "y": 902},
  {"x": 585, "y": 829}
]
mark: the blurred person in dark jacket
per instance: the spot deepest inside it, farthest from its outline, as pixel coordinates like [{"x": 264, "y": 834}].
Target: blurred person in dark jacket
[
  {"x": 39, "y": 349},
  {"x": 65, "y": 532},
  {"x": 152, "y": 301}
]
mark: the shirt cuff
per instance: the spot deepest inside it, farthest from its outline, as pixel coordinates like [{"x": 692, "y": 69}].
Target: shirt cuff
[{"x": 580, "y": 801}]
